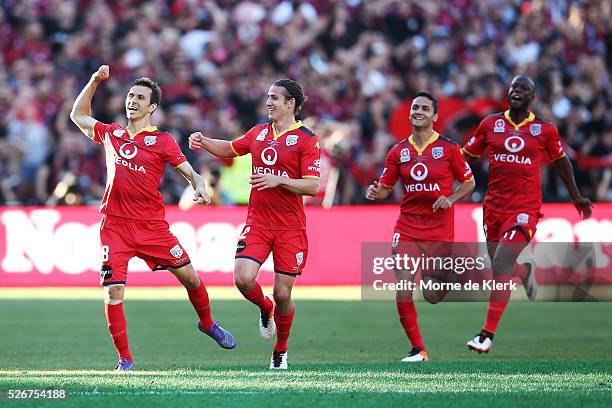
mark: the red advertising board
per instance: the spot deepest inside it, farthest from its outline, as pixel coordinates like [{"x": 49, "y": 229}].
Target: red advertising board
[{"x": 60, "y": 246}]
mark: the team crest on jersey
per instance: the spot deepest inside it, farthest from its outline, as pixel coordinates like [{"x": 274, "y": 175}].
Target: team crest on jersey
[
  {"x": 150, "y": 140},
  {"x": 437, "y": 152},
  {"x": 535, "y": 129},
  {"x": 299, "y": 258},
  {"x": 500, "y": 126},
  {"x": 291, "y": 140},
  {"x": 262, "y": 135},
  {"x": 118, "y": 132},
  {"x": 522, "y": 218},
  {"x": 176, "y": 251},
  {"x": 404, "y": 155}
]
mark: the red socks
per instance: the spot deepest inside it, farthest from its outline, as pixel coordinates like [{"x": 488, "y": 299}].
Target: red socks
[
  {"x": 408, "y": 318},
  {"x": 283, "y": 326},
  {"x": 255, "y": 295},
  {"x": 118, "y": 329},
  {"x": 199, "y": 300},
  {"x": 497, "y": 304}
]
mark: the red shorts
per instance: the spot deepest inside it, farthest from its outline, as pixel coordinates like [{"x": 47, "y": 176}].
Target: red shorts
[
  {"x": 425, "y": 227},
  {"x": 496, "y": 225},
  {"x": 289, "y": 248},
  {"x": 427, "y": 251},
  {"x": 122, "y": 239}
]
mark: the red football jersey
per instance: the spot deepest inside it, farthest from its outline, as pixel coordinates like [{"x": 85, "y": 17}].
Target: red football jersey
[
  {"x": 426, "y": 175},
  {"x": 295, "y": 154},
  {"x": 515, "y": 157},
  {"x": 134, "y": 167}
]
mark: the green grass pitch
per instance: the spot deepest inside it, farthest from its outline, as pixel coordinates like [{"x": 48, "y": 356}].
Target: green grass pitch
[{"x": 341, "y": 353}]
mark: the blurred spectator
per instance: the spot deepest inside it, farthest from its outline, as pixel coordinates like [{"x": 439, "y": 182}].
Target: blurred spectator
[{"x": 358, "y": 61}]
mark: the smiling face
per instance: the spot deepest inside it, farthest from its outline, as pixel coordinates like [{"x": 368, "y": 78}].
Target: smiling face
[
  {"x": 521, "y": 93},
  {"x": 279, "y": 106},
  {"x": 138, "y": 102},
  {"x": 422, "y": 112}
]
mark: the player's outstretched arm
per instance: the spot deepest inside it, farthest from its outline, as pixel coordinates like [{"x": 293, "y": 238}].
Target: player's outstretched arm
[
  {"x": 220, "y": 148},
  {"x": 81, "y": 110},
  {"x": 377, "y": 191},
  {"x": 304, "y": 186},
  {"x": 582, "y": 204},
  {"x": 200, "y": 195}
]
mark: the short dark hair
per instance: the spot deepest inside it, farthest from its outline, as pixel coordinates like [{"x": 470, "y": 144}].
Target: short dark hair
[
  {"x": 429, "y": 96},
  {"x": 156, "y": 92},
  {"x": 293, "y": 90}
]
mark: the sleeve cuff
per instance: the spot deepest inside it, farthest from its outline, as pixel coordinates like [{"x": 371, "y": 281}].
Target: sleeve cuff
[
  {"x": 560, "y": 157},
  {"x": 233, "y": 149},
  {"x": 469, "y": 153}
]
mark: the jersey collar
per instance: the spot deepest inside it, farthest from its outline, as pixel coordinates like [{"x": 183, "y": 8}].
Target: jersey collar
[
  {"x": 149, "y": 128},
  {"x": 434, "y": 136},
  {"x": 528, "y": 119},
  {"x": 297, "y": 125}
]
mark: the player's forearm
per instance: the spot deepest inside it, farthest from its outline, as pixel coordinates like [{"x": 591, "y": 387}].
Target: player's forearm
[
  {"x": 305, "y": 186},
  {"x": 194, "y": 179},
  {"x": 219, "y": 148},
  {"x": 462, "y": 191},
  {"x": 564, "y": 167},
  {"x": 383, "y": 192},
  {"x": 82, "y": 104},
  {"x": 81, "y": 109}
]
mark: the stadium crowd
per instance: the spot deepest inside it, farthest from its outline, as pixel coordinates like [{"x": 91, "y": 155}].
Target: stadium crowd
[{"x": 358, "y": 61}]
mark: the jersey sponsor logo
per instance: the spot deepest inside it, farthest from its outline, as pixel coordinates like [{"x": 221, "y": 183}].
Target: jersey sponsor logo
[
  {"x": 299, "y": 258},
  {"x": 269, "y": 155},
  {"x": 418, "y": 187},
  {"x": 404, "y": 155},
  {"x": 419, "y": 172},
  {"x": 130, "y": 165},
  {"x": 150, "y": 140},
  {"x": 500, "y": 126},
  {"x": 514, "y": 144},
  {"x": 118, "y": 132},
  {"x": 316, "y": 166},
  {"x": 267, "y": 170},
  {"x": 291, "y": 140},
  {"x": 535, "y": 129},
  {"x": 128, "y": 151},
  {"x": 511, "y": 158},
  {"x": 522, "y": 218},
  {"x": 262, "y": 135},
  {"x": 176, "y": 251},
  {"x": 437, "y": 152}
]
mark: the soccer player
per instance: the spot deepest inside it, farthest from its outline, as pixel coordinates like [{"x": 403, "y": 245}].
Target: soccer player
[
  {"x": 428, "y": 164},
  {"x": 518, "y": 142},
  {"x": 285, "y": 158},
  {"x": 133, "y": 212}
]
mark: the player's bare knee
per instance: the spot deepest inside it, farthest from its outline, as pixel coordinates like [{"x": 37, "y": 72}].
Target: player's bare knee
[
  {"x": 281, "y": 295},
  {"x": 192, "y": 281},
  {"x": 243, "y": 282},
  {"x": 113, "y": 294},
  {"x": 434, "y": 296},
  {"x": 502, "y": 265}
]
